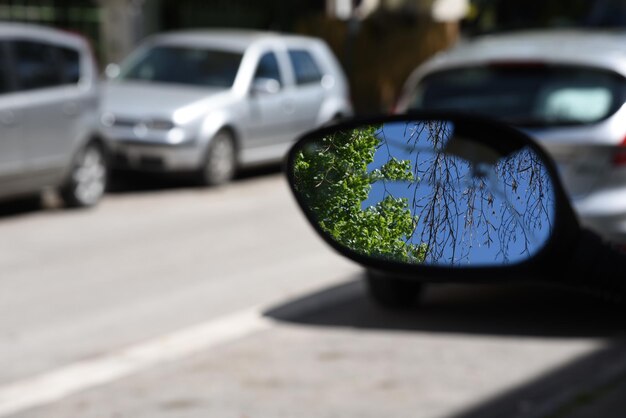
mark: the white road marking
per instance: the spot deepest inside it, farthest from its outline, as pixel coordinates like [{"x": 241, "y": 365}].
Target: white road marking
[{"x": 60, "y": 383}]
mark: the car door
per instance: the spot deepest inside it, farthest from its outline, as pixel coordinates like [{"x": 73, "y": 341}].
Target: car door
[
  {"x": 52, "y": 102},
  {"x": 271, "y": 107},
  {"x": 308, "y": 92},
  {"x": 11, "y": 146}
]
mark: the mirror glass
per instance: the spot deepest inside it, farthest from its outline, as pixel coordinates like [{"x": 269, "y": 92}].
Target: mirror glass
[{"x": 427, "y": 192}]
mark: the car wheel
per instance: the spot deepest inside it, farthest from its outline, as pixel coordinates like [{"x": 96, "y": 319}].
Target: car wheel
[
  {"x": 392, "y": 292},
  {"x": 88, "y": 177},
  {"x": 220, "y": 162}
]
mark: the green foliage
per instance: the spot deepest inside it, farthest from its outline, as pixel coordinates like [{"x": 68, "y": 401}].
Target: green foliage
[{"x": 332, "y": 177}]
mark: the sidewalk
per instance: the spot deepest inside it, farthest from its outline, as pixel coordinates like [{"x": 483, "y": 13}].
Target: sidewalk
[{"x": 592, "y": 386}]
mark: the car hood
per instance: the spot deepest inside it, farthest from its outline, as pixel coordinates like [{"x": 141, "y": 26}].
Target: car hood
[{"x": 139, "y": 100}]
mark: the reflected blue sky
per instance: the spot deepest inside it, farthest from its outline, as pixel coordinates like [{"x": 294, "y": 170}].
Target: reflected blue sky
[{"x": 486, "y": 212}]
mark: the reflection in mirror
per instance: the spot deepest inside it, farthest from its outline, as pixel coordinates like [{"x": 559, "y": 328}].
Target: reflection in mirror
[{"x": 426, "y": 192}]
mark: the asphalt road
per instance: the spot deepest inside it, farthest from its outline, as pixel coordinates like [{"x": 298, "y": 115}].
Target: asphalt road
[{"x": 174, "y": 301}]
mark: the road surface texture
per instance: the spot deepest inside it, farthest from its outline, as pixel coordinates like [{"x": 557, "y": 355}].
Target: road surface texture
[{"x": 177, "y": 301}]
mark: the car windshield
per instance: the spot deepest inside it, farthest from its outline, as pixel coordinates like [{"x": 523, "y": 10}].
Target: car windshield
[
  {"x": 527, "y": 95},
  {"x": 504, "y": 15},
  {"x": 182, "y": 65}
]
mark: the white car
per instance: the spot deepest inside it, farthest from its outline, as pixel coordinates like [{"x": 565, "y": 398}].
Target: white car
[
  {"x": 210, "y": 102},
  {"x": 49, "y": 128},
  {"x": 565, "y": 87}
]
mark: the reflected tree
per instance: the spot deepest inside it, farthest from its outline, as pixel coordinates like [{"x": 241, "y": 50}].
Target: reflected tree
[
  {"x": 332, "y": 176},
  {"x": 464, "y": 205}
]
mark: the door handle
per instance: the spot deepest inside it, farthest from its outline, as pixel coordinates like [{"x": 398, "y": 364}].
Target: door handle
[{"x": 7, "y": 118}]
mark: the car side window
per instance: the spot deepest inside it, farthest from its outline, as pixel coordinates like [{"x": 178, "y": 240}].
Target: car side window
[
  {"x": 70, "y": 65},
  {"x": 304, "y": 66},
  {"x": 35, "y": 65},
  {"x": 5, "y": 84},
  {"x": 268, "y": 68}
]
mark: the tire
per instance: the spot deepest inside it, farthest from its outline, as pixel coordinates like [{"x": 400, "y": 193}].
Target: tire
[
  {"x": 88, "y": 178},
  {"x": 220, "y": 161},
  {"x": 392, "y": 292}
]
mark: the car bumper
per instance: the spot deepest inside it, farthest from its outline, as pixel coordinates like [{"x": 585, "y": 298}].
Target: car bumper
[
  {"x": 605, "y": 213},
  {"x": 156, "y": 157}
]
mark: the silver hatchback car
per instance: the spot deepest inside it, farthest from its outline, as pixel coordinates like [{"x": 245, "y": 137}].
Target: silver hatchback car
[
  {"x": 49, "y": 128},
  {"x": 210, "y": 102},
  {"x": 567, "y": 88}
]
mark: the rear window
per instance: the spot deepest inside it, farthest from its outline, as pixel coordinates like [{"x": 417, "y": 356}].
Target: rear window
[
  {"x": 182, "y": 65},
  {"x": 525, "y": 94}
]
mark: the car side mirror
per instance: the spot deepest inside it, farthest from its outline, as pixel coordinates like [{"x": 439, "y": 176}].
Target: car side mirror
[
  {"x": 262, "y": 86},
  {"x": 112, "y": 71},
  {"x": 436, "y": 196}
]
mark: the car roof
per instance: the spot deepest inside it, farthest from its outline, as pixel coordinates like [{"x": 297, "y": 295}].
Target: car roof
[
  {"x": 600, "y": 49},
  {"x": 238, "y": 40},
  {"x": 16, "y": 30}
]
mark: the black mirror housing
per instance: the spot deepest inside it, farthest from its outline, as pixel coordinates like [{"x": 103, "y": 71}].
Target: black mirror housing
[{"x": 424, "y": 177}]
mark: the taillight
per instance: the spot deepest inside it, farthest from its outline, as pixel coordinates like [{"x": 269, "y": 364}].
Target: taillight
[{"x": 619, "y": 156}]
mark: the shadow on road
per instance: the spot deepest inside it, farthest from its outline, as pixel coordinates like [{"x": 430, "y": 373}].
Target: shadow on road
[
  {"x": 137, "y": 182},
  {"x": 21, "y": 206},
  {"x": 123, "y": 183},
  {"x": 511, "y": 311},
  {"x": 505, "y": 310},
  {"x": 562, "y": 391}
]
